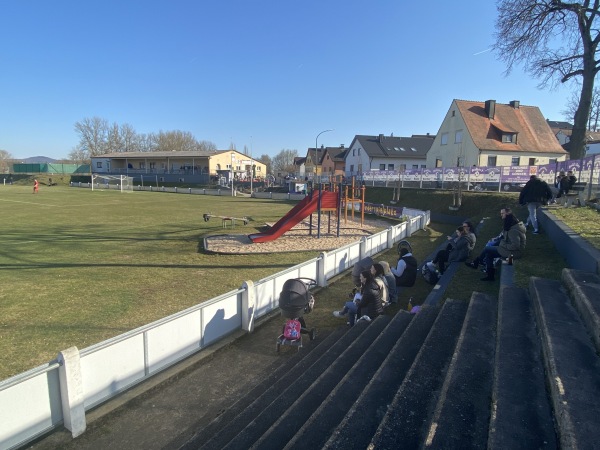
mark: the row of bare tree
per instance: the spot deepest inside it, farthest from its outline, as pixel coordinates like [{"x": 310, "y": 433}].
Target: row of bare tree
[{"x": 98, "y": 137}]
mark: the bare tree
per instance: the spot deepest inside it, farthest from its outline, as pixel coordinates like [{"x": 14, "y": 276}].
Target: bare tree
[
  {"x": 526, "y": 32},
  {"x": 266, "y": 160},
  {"x": 5, "y": 157},
  {"x": 170, "y": 141},
  {"x": 207, "y": 146},
  {"x": 79, "y": 155},
  {"x": 283, "y": 162},
  {"x": 93, "y": 134},
  {"x": 128, "y": 137},
  {"x": 114, "y": 143},
  {"x": 573, "y": 103}
]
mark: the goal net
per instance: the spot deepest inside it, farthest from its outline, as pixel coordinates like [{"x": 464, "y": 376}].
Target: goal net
[{"x": 122, "y": 183}]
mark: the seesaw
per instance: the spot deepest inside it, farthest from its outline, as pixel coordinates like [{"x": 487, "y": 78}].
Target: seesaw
[{"x": 225, "y": 219}]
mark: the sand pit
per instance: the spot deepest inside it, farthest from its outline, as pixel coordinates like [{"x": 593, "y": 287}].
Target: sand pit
[{"x": 297, "y": 239}]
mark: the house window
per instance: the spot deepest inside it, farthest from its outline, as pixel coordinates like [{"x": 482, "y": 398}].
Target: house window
[
  {"x": 142, "y": 165},
  {"x": 532, "y": 161},
  {"x": 390, "y": 167},
  {"x": 351, "y": 168},
  {"x": 515, "y": 161},
  {"x": 415, "y": 166},
  {"x": 492, "y": 161},
  {"x": 381, "y": 166},
  {"x": 423, "y": 166},
  {"x": 444, "y": 138},
  {"x": 359, "y": 152},
  {"x": 458, "y": 137},
  {"x": 438, "y": 163},
  {"x": 453, "y": 113},
  {"x": 552, "y": 161},
  {"x": 99, "y": 165},
  {"x": 353, "y": 152},
  {"x": 152, "y": 165}
]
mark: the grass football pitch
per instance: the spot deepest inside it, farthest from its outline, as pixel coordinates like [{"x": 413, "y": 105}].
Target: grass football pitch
[{"x": 80, "y": 266}]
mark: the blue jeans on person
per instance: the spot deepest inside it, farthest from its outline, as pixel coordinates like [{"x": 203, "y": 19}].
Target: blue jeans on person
[
  {"x": 351, "y": 309},
  {"x": 487, "y": 256},
  {"x": 532, "y": 208}
]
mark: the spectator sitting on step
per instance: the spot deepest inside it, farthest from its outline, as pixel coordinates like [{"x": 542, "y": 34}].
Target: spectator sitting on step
[
  {"x": 391, "y": 282},
  {"x": 456, "y": 250},
  {"x": 512, "y": 243},
  {"x": 471, "y": 233},
  {"x": 378, "y": 275},
  {"x": 366, "y": 303},
  {"x": 406, "y": 270}
]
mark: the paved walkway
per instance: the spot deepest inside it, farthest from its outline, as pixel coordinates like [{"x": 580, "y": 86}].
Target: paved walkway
[{"x": 165, "y": 412}]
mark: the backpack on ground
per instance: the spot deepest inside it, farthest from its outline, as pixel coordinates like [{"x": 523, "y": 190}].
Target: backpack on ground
[
  {"x": 291, "y": 330},
  {"x": 430, "y": 273}
]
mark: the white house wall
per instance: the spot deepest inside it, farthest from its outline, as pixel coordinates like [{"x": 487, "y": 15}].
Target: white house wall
[{"x": 353, "y": 158}]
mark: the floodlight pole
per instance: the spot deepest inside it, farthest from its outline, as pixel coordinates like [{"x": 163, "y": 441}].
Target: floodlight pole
[
  {"x": 316, "y": 151},
  {"x": 232, "y": 160},
  {"x": 320, "y": 191}
]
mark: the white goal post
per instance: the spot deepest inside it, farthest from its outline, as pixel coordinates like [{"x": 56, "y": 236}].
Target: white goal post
[{"x": 119, "y": 182}]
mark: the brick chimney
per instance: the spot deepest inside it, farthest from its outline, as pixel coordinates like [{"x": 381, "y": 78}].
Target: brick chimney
[
  {"x": 381, "y": 137},
  {"x": 515, "y": 104},
  {"x": 490, "y": 108}
]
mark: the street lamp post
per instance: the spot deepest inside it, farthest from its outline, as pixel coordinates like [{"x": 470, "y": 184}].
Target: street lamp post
[
  {"x": 317, "y": 150},
  {"x": 232, "y": 160}
]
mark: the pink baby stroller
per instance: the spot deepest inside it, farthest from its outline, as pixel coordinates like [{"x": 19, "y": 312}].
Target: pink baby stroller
[{"x": 296, "y": 300}]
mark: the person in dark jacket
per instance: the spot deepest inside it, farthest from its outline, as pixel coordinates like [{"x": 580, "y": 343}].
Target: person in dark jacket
[
  {"x": 366, "y": 303},
  {"x": 512, "y": 243},
  {"x": 456, "y": 250},
  {"x": 534, "y": 194},
  {"x": 572, "y": 179},
  {"x": 406, "y": 269}
]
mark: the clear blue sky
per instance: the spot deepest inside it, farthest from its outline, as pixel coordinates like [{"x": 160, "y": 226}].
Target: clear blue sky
[{"x": 269, "y": 74}]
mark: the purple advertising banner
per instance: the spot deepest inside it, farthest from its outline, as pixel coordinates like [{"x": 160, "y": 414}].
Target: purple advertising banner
[
  {"x": 434, "y": 174},
  {"x": 411, "y": 175},
  {"x": 484, "y": 174},
  {"x": 517, "y": 174}
]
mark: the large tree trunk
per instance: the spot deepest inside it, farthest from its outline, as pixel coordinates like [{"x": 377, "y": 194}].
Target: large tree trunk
[{"x": 582, "y": 115}]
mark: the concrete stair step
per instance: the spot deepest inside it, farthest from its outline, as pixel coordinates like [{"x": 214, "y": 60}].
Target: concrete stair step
[
  {"x": 338, "y": 359},
  {"x": 279, "y": 373},
  {"x": 360, "y": 423},
  {"x": 324, "y": 404},
  {"x": 404, "y": 424},
  {"x": 571, "y": 362},
  {"x": 245, "y": 416},
  {"x": 584, "y": 290},
  {"x": 462, "y": 414},
  {"x": 522, "y": 414}
]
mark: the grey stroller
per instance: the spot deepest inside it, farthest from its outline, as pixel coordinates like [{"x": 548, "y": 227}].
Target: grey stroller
[{"x": 296, "y": 300}]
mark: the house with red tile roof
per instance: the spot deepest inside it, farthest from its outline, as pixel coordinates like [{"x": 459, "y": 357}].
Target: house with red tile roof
[
  {"x": 487, "y": 133},
  {"x": 325, "y": 161}
]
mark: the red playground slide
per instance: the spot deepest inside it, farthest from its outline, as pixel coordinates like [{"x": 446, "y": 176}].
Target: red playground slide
[{"x": 329, "y": 200}]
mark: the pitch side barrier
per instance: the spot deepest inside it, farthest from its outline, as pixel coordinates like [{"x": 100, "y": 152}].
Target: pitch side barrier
[{"x": 60, "y": 392}]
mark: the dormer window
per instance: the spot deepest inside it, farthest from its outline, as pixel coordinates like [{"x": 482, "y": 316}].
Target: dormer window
[{"x": 509, "y": 138}]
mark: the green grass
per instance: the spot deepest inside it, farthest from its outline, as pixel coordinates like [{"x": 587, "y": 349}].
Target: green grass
[{"x": 78, "y": 267}]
